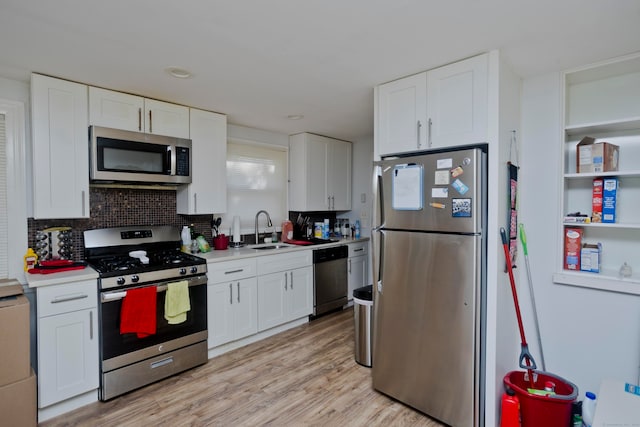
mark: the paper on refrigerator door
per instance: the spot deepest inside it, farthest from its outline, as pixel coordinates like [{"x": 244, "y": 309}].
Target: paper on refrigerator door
[{"x": 407, "y": 187}]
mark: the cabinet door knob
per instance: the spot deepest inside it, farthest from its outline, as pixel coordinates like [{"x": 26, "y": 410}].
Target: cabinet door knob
[
  {"x": 230, "y": 293},
  {"x": 238, "y": 292},
  {"x": 419, "y": 125}
]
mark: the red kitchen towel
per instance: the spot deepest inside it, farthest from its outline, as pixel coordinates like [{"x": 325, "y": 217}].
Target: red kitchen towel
[{"x": 138, "y": 315}]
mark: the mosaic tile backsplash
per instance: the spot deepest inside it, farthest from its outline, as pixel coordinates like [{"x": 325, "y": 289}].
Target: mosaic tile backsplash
[{"x": 119, "y": 207}]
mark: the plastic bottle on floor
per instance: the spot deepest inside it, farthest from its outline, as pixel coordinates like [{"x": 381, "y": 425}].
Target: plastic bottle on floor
[
  {"x": 510, "y": 409},
  {"x": 588, "y": 408}
]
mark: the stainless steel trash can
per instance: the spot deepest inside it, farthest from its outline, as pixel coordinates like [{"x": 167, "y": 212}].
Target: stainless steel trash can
[{"x": 363, "y": 315}]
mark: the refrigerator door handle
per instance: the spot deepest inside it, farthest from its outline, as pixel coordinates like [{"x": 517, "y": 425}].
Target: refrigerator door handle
[
  {"x": 376, "y": 231},
  {"x": 377, "y": 257},
  {"x": 378, "y": 201}
]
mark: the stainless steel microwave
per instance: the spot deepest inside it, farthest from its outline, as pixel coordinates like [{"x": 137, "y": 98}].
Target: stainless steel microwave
[{"x": 120, "y": 155}]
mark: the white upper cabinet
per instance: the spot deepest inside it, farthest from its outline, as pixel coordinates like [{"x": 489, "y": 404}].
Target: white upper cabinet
[
  {"x": 163, "y": 118},
  {"x": 444, "y": 107},
  {"x": 320, "y": 173},
  {"x": 116, "y": 110},
  {"x": 402, "y": 115},
  {"x": 339, "y": 175},
  {"x": 119, "y": 110},
  {"x": 207, "y": 192},
  {"x": 457, "y": 103},
  {"x": 60, "y": 148}
]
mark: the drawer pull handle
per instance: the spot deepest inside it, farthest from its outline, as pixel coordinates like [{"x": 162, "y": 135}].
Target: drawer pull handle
[
  {"x": 162, "y": 362},
  {"x": 358, "y": 250},
  {"x": 67, "y": 299},
  {"x": 234, "y": 271}
]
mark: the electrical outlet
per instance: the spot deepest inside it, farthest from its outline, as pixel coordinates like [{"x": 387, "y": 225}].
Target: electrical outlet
[{"x": 363, "y": 197}]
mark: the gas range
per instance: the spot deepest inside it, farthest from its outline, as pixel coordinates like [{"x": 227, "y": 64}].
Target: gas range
[{"x": 126, "y": 256}]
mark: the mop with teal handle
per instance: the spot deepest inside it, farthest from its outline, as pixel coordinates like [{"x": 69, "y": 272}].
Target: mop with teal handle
[{"x": 523, "y": 240}]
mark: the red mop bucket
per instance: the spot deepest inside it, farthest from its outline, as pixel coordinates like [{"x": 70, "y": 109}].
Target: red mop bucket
[{"x": 537, "y": 410}]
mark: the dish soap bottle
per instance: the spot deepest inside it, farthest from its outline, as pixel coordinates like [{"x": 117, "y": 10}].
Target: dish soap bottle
[
  {"x": 357, "y": 229},
  {"x": 185, "y": 235},
  {"x": 30, "y": 259}
]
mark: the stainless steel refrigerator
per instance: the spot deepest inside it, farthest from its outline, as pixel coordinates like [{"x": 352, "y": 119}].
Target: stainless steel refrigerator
[{"x": 430, "y": 280}]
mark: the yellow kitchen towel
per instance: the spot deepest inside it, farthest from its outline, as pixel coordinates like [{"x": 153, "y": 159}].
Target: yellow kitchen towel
[{"x": 176, "y": 302}]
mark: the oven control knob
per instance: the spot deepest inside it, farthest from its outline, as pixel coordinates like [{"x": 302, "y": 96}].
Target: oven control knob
[
  {"x": 135, "y": 278},
  {"x": 194, "y": 269},
  {"x": 183, "y": 271},
  {"x": 120, "y": 281}
]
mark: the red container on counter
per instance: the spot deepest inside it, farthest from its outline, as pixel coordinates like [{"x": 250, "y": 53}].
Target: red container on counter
[{"x": 287, "y": 231}]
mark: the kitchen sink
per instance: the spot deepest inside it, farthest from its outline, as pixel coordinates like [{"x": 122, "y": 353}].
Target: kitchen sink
[{"x": 270, "y": 246}]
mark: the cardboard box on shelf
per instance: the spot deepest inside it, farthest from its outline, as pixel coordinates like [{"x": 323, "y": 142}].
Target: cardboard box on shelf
[
  {"x": 18, "y": 404},
  {"x": 591, "y": 257},
  {"x": 572, "y": 248},
  {"x": 14, "y": 335},
  {"x": 596, "y": 200},
  {"x": 609, "y": 199},
  {"x": 595, "y": 157}
]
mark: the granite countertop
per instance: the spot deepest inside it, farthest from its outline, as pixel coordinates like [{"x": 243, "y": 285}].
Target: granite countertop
[{"x": 88, "y": 273}]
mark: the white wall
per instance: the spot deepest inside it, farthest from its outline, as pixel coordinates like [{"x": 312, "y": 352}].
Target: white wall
[
  {"x": 587, "y": 335},
  {"x": 256, "y": 136}
]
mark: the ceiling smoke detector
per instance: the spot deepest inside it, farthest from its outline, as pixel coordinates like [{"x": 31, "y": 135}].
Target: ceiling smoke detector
[{"x": 179, "y": 73}]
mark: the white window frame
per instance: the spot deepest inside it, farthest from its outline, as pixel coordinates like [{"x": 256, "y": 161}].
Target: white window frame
[
  {"x": 247, "y": 221},
  {"x": 14, "y": 113}
]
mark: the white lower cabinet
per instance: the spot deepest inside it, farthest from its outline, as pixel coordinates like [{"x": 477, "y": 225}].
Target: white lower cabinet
[
  {"x": 232, "y": 309},
  {"x": 357, "y": 267},
  {"x": 67, "y": 341},
  {"x": 285, "y": 288}
]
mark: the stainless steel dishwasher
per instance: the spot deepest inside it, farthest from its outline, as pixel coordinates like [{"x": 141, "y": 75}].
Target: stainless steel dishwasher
[{"x": 329, "y": 279}]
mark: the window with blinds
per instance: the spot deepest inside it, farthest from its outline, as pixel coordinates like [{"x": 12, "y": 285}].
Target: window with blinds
[
  {"x": 4, "y": 234},
  {"x": 256, "y": 180}
]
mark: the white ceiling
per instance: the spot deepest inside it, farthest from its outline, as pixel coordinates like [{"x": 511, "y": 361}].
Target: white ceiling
[{"x": 259, "y": 61}]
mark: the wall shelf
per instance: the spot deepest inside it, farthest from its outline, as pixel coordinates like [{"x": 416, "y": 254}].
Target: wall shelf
[
  {"x": 630, "y": 226},
  {"x": 582, "y": 129},
  {"x": 605, "y": 281},
  {"x": 627, "y": 173},
  {"x": 600, "y": 101}
]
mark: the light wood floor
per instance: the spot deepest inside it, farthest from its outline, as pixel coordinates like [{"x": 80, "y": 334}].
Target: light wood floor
[{"x": 306, "y": 376}]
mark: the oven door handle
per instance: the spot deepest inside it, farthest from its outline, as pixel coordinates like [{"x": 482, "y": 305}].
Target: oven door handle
[{"x": 116, "y": 295}]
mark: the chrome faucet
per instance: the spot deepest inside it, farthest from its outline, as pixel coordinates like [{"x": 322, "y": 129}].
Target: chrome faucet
[{"x": 269, "y": 223}]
